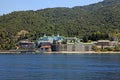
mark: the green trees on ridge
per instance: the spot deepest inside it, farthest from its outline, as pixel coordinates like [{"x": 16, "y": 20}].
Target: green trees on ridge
[{"x": 77, "y": 21}]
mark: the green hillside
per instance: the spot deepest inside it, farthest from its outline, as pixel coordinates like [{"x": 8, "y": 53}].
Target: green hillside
[{"x": 77, "y": 21}]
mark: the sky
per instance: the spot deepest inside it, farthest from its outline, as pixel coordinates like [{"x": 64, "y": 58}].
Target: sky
[{"x": 8, "y": 6}]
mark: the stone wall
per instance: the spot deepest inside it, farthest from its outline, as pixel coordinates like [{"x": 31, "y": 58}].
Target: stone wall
[{"x": 72, "y": 47}]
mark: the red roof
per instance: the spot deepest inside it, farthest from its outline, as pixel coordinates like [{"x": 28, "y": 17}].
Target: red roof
[{"x": 46, "y": 47}]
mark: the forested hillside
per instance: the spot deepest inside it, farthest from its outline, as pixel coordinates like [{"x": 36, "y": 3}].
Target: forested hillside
[{"x": 77, "y": 21}]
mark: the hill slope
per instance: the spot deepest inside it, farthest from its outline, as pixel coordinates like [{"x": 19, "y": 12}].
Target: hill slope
[
  {"x": 77, "y": 21},
  {"x": 100, "y": 16}
]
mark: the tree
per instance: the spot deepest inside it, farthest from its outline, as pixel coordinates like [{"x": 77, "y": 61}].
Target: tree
[{"x": 85, "y": 39}]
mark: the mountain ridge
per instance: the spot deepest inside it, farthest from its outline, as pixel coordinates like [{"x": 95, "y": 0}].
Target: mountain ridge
[{"x": 76, "y": 21}]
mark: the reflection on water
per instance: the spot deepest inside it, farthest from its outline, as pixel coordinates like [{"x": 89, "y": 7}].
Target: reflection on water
[{"x": 59, "y": 66}]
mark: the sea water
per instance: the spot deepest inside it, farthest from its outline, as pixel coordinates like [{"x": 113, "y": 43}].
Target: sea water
[{"x": 59, "y": 66}]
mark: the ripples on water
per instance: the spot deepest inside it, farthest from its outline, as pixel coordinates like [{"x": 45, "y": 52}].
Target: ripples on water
[{"x": 59, "y": 66}]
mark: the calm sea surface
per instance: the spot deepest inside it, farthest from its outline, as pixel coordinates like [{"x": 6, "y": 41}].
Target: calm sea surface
[{"x": 59, "y": 66}]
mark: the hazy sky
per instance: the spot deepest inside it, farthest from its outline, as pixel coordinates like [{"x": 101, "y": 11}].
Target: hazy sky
[{"x": 7, "y": 6}]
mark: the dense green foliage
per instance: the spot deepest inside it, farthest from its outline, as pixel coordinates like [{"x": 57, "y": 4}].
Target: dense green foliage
[
  {"x": 96, "y": 36},
  {"x": 77, "y": 21},
  {"x": 6, "y": 41}
]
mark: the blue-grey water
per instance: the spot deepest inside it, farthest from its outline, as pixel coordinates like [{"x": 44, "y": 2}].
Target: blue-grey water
[{"x": 59, "y": 66}]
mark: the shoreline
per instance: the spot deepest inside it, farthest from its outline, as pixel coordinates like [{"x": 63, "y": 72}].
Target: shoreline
[
  {"x": 61, "y": 52},
  {"x": 89, "y": 52}
]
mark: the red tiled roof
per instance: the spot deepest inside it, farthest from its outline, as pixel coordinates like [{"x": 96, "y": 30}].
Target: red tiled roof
[{"x": 45, "y": 46}]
